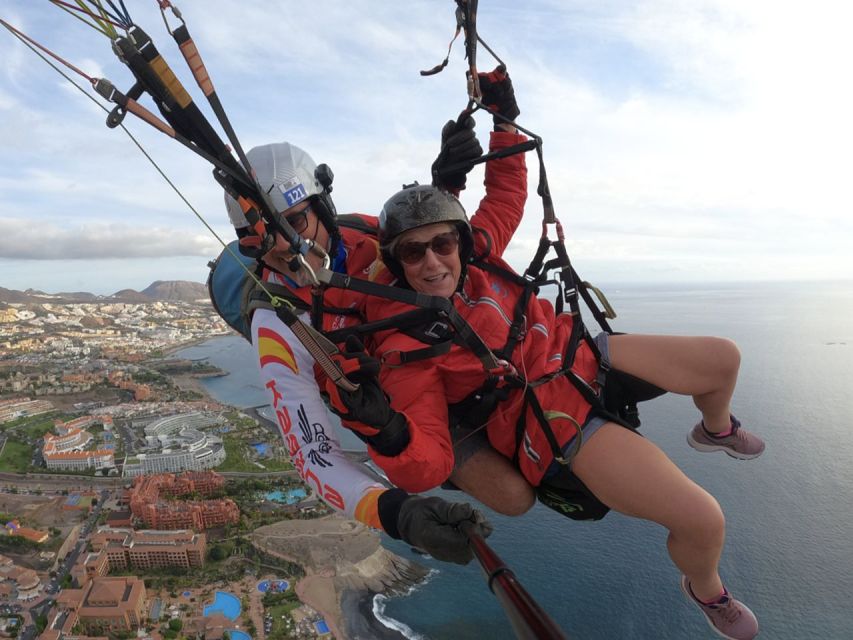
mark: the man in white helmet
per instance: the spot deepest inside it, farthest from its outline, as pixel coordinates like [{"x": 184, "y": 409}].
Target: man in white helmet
[{"x": 299, "y": 191}]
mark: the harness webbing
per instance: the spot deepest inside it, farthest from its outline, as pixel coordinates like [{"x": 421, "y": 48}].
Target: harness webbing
[{"x": 442, "y": 306}]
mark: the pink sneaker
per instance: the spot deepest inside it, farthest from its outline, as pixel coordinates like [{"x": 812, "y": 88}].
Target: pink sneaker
[
  {"x": 728, "y": 617},
  {"x": 740, "y": 443}
]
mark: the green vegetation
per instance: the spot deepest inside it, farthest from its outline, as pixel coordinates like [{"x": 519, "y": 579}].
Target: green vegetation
[
  {"x": 249, "y": 494},
  {"x": 151, "y": 377},
  {"x": 188, "y": 395},
  {"x": 175, "y": 579},
  {"x": 276, "y": 464},
  {"x": 35, "y": 426},
  {"x": 16, "y": 457},
  {"x": 16, "y": 544},
  {"x": 239, "y": 422},
  {"x": 237, "y": 455},
  {"x": 220, "y": 552},
  {"x": 281, "y": 626}
]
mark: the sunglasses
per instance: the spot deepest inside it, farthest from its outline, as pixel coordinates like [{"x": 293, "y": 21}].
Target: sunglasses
[
  {"x": 299, "y": 220},
  {"x": 443, "y": 245}
]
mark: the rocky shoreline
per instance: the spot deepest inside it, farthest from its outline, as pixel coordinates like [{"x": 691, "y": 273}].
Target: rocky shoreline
[
  {"x": 360, "y": 623},
  {"x": 346, "y": 567}
]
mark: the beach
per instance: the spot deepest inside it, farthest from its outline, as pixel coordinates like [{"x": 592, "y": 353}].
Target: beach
[{"x": 345, "y": 567}]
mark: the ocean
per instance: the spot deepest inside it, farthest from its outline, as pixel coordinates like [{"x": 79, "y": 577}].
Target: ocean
[{"x": 789, "y": 547}]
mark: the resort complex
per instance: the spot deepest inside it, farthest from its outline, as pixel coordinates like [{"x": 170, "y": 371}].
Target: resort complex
[
  {"x": 103, "y": 604},
  {"x": 72, "y": 447},
  {"x": 16, "y": 582},
  {"x": 149, "y": 504},
  {"x": 115, "y": 524},
  {"x": 122, "y": 549},
  {"x": 175, "y": 444}
]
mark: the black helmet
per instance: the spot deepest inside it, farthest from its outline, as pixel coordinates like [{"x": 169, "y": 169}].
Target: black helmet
[{"x": 418, "y": 206}]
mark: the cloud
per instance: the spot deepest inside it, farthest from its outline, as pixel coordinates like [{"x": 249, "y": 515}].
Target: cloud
[
  {"x": 683, "y": 137},
  {"x": 21, "y": 239}
]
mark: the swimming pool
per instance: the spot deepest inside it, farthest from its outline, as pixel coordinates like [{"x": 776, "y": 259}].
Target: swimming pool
[
  {"x": 262, "y": 448},
  {"x": 321, "y": 627},
  {"x": 291, "y": 496},
  {"x": 236, "y": 634},
  {"x": 156, "y": 609},
  {"x": 225, "y": 603},
  {"x": 276, "y": 586}
]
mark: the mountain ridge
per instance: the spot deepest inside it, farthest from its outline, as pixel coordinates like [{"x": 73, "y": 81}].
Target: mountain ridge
[{"x": 159, "y": 290}]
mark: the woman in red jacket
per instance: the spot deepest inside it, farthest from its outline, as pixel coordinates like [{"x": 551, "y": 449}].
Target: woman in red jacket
[{"x": 562, "y": 441}]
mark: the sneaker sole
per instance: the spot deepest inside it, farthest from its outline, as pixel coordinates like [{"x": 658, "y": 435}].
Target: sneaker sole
[
  {"x": 710, "y": 448},
  {"x": 684, "y": 590}
]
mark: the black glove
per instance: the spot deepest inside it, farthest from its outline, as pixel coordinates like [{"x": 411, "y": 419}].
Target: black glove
[
  {"x": 367, "y": 411},
  {"x": 432, "y": 524},
  {"x": 498, "y": 94},
  {"x": 459, "y": 144}
]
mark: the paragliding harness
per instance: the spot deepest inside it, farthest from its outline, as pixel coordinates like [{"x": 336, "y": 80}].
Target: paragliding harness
[
  {"x": 614, "y": 395},
  {"x": 435, "y": 323},
  {"x": 245, "y": 292},
  {"x": 185, "y": 123}
]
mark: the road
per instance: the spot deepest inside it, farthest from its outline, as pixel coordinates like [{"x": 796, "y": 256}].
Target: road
[{"x": 43, "y": 606}]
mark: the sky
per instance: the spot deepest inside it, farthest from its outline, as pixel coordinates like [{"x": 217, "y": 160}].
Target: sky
[{"x": 684, "y": 140}]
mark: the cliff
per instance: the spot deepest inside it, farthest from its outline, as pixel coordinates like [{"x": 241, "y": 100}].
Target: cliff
[{"x": 343, "y": 561}]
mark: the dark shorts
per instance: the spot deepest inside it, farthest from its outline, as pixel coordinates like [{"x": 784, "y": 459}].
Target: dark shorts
[{"x": 466, "y": 442}]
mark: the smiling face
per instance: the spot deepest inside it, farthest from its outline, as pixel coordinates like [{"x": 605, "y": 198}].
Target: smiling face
[
  {"x": 306, "y": 223},
  {"x": 434, "y": 274}
]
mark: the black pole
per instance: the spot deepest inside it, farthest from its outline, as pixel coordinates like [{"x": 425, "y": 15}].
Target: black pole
[{"x": 528, "y": 619}]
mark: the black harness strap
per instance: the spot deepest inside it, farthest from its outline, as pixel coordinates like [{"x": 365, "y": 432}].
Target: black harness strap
[
  {"x": 533, "y": 403},
  {"x": 442, "y": 306},
  {"x": 401, "y": 321}
]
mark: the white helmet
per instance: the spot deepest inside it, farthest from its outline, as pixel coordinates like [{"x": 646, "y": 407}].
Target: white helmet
[{"x": 285, "y": 172}]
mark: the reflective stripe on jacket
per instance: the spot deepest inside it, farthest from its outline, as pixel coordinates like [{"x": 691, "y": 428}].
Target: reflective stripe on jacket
[{"x": 423, "y": 389}]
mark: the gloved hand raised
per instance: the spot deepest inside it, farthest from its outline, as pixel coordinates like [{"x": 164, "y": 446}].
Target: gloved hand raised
[
  {"x": 498, "y": 94},
  {"x": 367, "y": 411},
  {"x": 432, "y": 524},
  {"x": 459, "y": 144}
]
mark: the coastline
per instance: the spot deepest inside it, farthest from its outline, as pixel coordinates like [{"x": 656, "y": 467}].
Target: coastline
[
  {"x": 346, "y": 606},
  {"x": 357, "y": 608},
  {"x": 168, "y": 352}
]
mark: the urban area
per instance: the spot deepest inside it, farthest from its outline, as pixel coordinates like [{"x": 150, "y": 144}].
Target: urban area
[{"x": 130, "y": 500}]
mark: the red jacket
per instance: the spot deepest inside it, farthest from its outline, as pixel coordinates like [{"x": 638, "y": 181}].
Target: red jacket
[
  {"x": 362, "y": 261},
  {"x": 423, "y": 389}
]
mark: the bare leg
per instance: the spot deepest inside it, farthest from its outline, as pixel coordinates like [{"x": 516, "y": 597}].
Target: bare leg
[
  {"x": 633, "y": 476},
  {"x": 703, "y": 367},
  {"x": 493, "y": 480}
]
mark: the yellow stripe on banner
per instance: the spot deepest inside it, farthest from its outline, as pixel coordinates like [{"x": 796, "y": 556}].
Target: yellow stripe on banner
[
  {"x": 172, "y": 83},
  {"x": 367, "y": 510}
]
